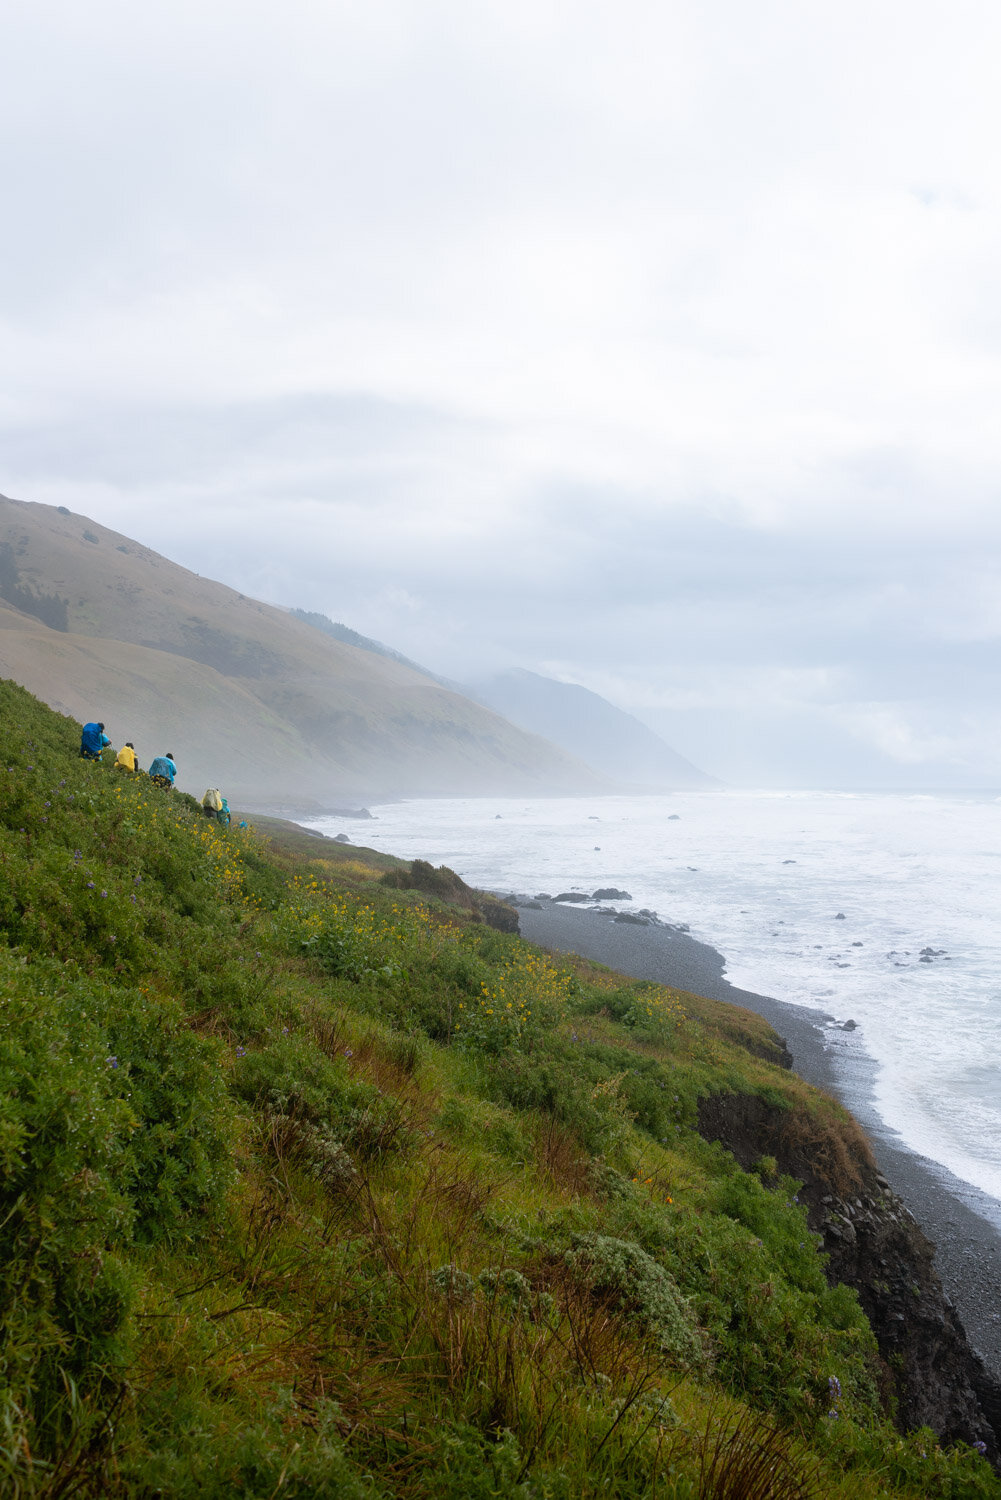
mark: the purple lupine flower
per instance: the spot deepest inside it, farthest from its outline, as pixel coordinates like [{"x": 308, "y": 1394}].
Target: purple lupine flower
[
  {"x": 104, "y": 895},
  {"x": 980, "y": 1447},
  {"x": 90, "y": 885},
  {"x": 112, "y": 1062}
]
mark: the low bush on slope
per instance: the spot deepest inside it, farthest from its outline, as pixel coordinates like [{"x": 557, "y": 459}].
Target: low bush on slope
[{"x": 312, "y": 1188}]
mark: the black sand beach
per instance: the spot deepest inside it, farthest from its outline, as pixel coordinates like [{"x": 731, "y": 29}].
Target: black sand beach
[{"x": 968, "y": 1246}]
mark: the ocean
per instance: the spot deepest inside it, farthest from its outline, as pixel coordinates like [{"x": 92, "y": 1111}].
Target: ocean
[{"x": 877, "y": 908}]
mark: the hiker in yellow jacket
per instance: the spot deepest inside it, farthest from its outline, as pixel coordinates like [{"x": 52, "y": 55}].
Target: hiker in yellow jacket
[{"x": 127, "y": 760}]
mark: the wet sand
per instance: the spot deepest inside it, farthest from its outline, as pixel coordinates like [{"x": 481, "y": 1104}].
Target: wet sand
[{"x": 968, "y": 1244}]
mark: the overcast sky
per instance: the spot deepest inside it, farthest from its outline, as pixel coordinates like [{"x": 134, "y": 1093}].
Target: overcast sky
[{"x": 651, "y": 345}]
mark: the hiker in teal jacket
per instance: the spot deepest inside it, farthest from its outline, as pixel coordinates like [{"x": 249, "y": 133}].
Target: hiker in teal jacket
[{"x": 163, "y": 770}]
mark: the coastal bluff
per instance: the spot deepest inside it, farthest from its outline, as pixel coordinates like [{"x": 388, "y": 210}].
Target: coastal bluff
[
  {"x": 874, "y": 1244},
  {"x": 315, "y": 1180},
  {"x": 872, "y": 1241}
]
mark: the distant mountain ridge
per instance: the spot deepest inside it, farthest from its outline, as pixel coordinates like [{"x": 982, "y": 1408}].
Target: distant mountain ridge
[
  {"x": 581, "y": 721},
  {"x": 341, "y": 632},
  {"x": 584, "y": 724},
  {"x": 248, "y": 696}
]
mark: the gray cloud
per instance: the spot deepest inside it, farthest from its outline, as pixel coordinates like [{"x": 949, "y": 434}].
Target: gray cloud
[{"x": 653, "y": 347}]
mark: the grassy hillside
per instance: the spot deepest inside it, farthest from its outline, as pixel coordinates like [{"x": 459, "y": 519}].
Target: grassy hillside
[
  {"x": 101, "y": 627},
  {"x": 315, "y": 1186}
]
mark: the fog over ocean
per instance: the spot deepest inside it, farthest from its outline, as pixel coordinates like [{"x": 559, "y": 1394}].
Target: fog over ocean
[{"x": 762, "y": 877}]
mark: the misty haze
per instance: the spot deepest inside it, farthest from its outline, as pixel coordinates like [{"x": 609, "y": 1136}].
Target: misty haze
[{"x": 500, "y": 751}]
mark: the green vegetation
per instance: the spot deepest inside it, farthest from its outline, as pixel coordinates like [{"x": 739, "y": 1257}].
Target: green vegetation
[{"x": 317, "y": 1187}]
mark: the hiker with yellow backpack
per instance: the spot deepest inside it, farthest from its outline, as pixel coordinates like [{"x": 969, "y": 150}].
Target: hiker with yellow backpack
[{"x": 214, "y": 805}]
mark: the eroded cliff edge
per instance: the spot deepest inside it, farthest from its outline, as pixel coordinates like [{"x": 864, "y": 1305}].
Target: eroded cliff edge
[{"x": 873, "y": 1243}]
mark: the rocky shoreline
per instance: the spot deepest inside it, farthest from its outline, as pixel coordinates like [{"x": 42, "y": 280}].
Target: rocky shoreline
[{"x": 936, "y": 1317}]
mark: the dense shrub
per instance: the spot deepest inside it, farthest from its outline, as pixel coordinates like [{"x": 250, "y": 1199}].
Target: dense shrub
[
  {"x": 297, "y": 1083},
  {"x": 643, "y": 1287},
  {"x": 114, "y": 1125}
]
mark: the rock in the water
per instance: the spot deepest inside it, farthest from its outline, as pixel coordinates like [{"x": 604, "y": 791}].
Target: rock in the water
[
  {"x": 674, "y": 817},
  {"x": 840, "y": 917},
  {"x": 341, "y": 838},
  {"x": 571, "y": 896},
  {"x": 850, "y": 1025},
  {"x": 609, "y": 893}
]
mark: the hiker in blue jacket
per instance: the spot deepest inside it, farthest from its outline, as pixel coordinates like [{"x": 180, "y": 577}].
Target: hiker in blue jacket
[
  {"x": 163, "y": 771},
  {"x": 92, "y": 741}
]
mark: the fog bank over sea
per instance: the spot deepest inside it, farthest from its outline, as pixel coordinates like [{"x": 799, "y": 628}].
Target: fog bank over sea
[{"x": 873, "y": 908}]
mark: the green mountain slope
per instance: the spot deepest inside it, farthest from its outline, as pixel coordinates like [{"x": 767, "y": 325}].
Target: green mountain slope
[
  {"x": 243, "y": 693},
  {"x": 313, "y": 1186}
]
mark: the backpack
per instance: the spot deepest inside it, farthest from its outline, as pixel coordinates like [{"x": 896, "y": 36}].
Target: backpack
[{"x": 212, "y": 799}]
